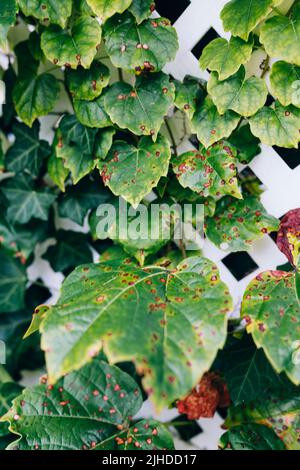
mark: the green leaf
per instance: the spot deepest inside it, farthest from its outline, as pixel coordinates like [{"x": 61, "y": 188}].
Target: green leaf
[
  {"x": 285, "y": 83},
  {"x": 188, "y": 94},
  {"x": 103, "y": 142},
  {"x": 237, "y": 224},
  {"x": 251, "y": 437},
  {"x": 8, "y": 11},
  {"x": 277, "y": 125},
  {"x": 28, "y": 153},
  {"x": 141, "y": 108},
  {"x": 142, "y": 9},
  {"x": 247, "y": 372},
  {"x": 280, "y": 36},
  {"x": 243, "y": 95},
  {"x": 246, "y": 144},
  {"x": 71, "y": 249},
  {"x": 25, "y": 201},
  {"x": 54, "y": 11},
  {"x": 240, "y": 17},
  {"x": 272, "y": 312},
  {"x": 226, "y": 57},
  {"x": 288, "y": 237},
  {"x": 147, "y": 46},
  {"x": 92, "y": 113},
  {"x": 104, "y": 9},
  {"x": 35, "y": 97},
  {"x": 88, "y": 84},
  {"x": 56, "y": 170},
  {"x": 88, "y": 194},
  {"x": 74, "y": 132},
  {"x": 171, "y": 320},
  {"x": 12, "y": 283},
  {"x": 70, "y": 421},
  {"x": 27, "y": 64},
  {"x": 280, "y": 412},
  {"x": 210, "y": 172},
  {"x": 8, "y": 391},
  {"x": 75, "y": 47},
  {"x": 131, "y": 172},
  {"x": 210, "y": 126}
]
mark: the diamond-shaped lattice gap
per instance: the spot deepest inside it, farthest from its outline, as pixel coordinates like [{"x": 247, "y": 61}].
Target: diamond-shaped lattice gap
[
  {"x": 170, "y": 9},
  {"x": 240, "y": 264},
  {"x": 290, "y": 156},
  {"x": 206, "y": 39},
  {"x": 187, "y": 429}
]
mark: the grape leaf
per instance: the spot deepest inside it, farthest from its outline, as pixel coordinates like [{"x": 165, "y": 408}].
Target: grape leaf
[
  {"x": 142, "y": 9},
  {"x": 226, "y": 57},
  {"x": 188, "y": 94},
  {"x": 141, "y": 108},
  {"x": 240, "y": 17},
  {"x": 210, "y": 172},
  {"x": 71, "y": 249},
  {"x": 54, "y": 11},
  {"x": 27, "y": 154},
  {"x": 288, "y": 238},
  {"x": 110, "y": 397},
  {"x": 12, "y": 283},
  {"x": 272, "y": 313},
  {"x": 8, "y": 391},
  {"x": 92, "y": 113},
  {"x": 104, "y": 9},
  {"x": 246, "y": 143},
  {"x": 243, "y": 95},
  {"x": 277, "y": 125},
  {"x": 251, "y": 437},
  {"x": 35, "y": 96},
  {"x": 88, "y": 84},
  {"x": 75, "y": 47},
  {"x": 103, "y": 142},
  {"x": 25, "y": 200},
  {"x": 285, "y": 83},
  {"x": 147, "y": 46},
  {"x": 279, "y": 412},
  {"x": 237, "y": 224},
  {"x": 171, "y": 320},
  {"x": 56, "y": 170},
  {"x": 280, "y": 36},
  {"x": 8, "y": 10},
  {"x": 79, "y": 199},
  {"x": 131, "y": 172},
  {"x": 210, "y": 126}
]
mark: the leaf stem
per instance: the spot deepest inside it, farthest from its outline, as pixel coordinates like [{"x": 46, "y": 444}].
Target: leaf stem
[
  {"x": 174, "y": 146},
  {"x": 265, "y": 66},
  {"x": 182, "y": 249}
]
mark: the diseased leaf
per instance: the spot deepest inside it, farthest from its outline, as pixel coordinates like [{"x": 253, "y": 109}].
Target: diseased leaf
[
  {"x": 240, "y": 17},
  {"x": 141, "y": 108},
  {"x": 178, "y": 329},
  {"x": 131, "y": 172},
  {"x": 54, "y": 11},
  {"x": 280, "y": 36},
  {"x": 272, "y": 313},
  {"x": 279, "y": 412},
  {"x": 8, "y": 10},
  {"x": 88, "y": 84},
  {"x": 35, "y": 97},
  {"x": 251, "y": 437},
  {"x": 243, "y": 95},
  {"x": 12, "y": 283},
  {"x": 277, "y": 125},
  {"x": 285, "y": 83},
  {"x": 142, "y": 9},
  {"x": 92, "y": 113},
  {"x": 102, "y": 423},
  {"x": 237, "y": 224},
  {"x": 25, "y": 200},
  {"x": 226, "y": 57},
  {"x": 104, "y": 9},
  {"x": 75, "y": 47},
  {"x": 210, "y": 126},
  {"x": 8, "y": 391},
  {"x": 71, "y": 249},
  {"x": 288, "y": 238},
  {"x": 146, "y": 46},
  {"x": 28, "y": 153},
  {"x": 210, "y": 172},
  {"x": 188, "y": 94},
  {"x": 246, "y": 143}
]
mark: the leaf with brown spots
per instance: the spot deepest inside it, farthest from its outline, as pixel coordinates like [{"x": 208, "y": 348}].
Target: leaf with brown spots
[
  {"x": 89, "y": 409},
  {"x": 251, "y": 437},
  {"x": 288, "y": 238},
  {"x": 272, "y": 312},
  {"x": 53, "y": 11},
  {"x": 178, "y": 316}
]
